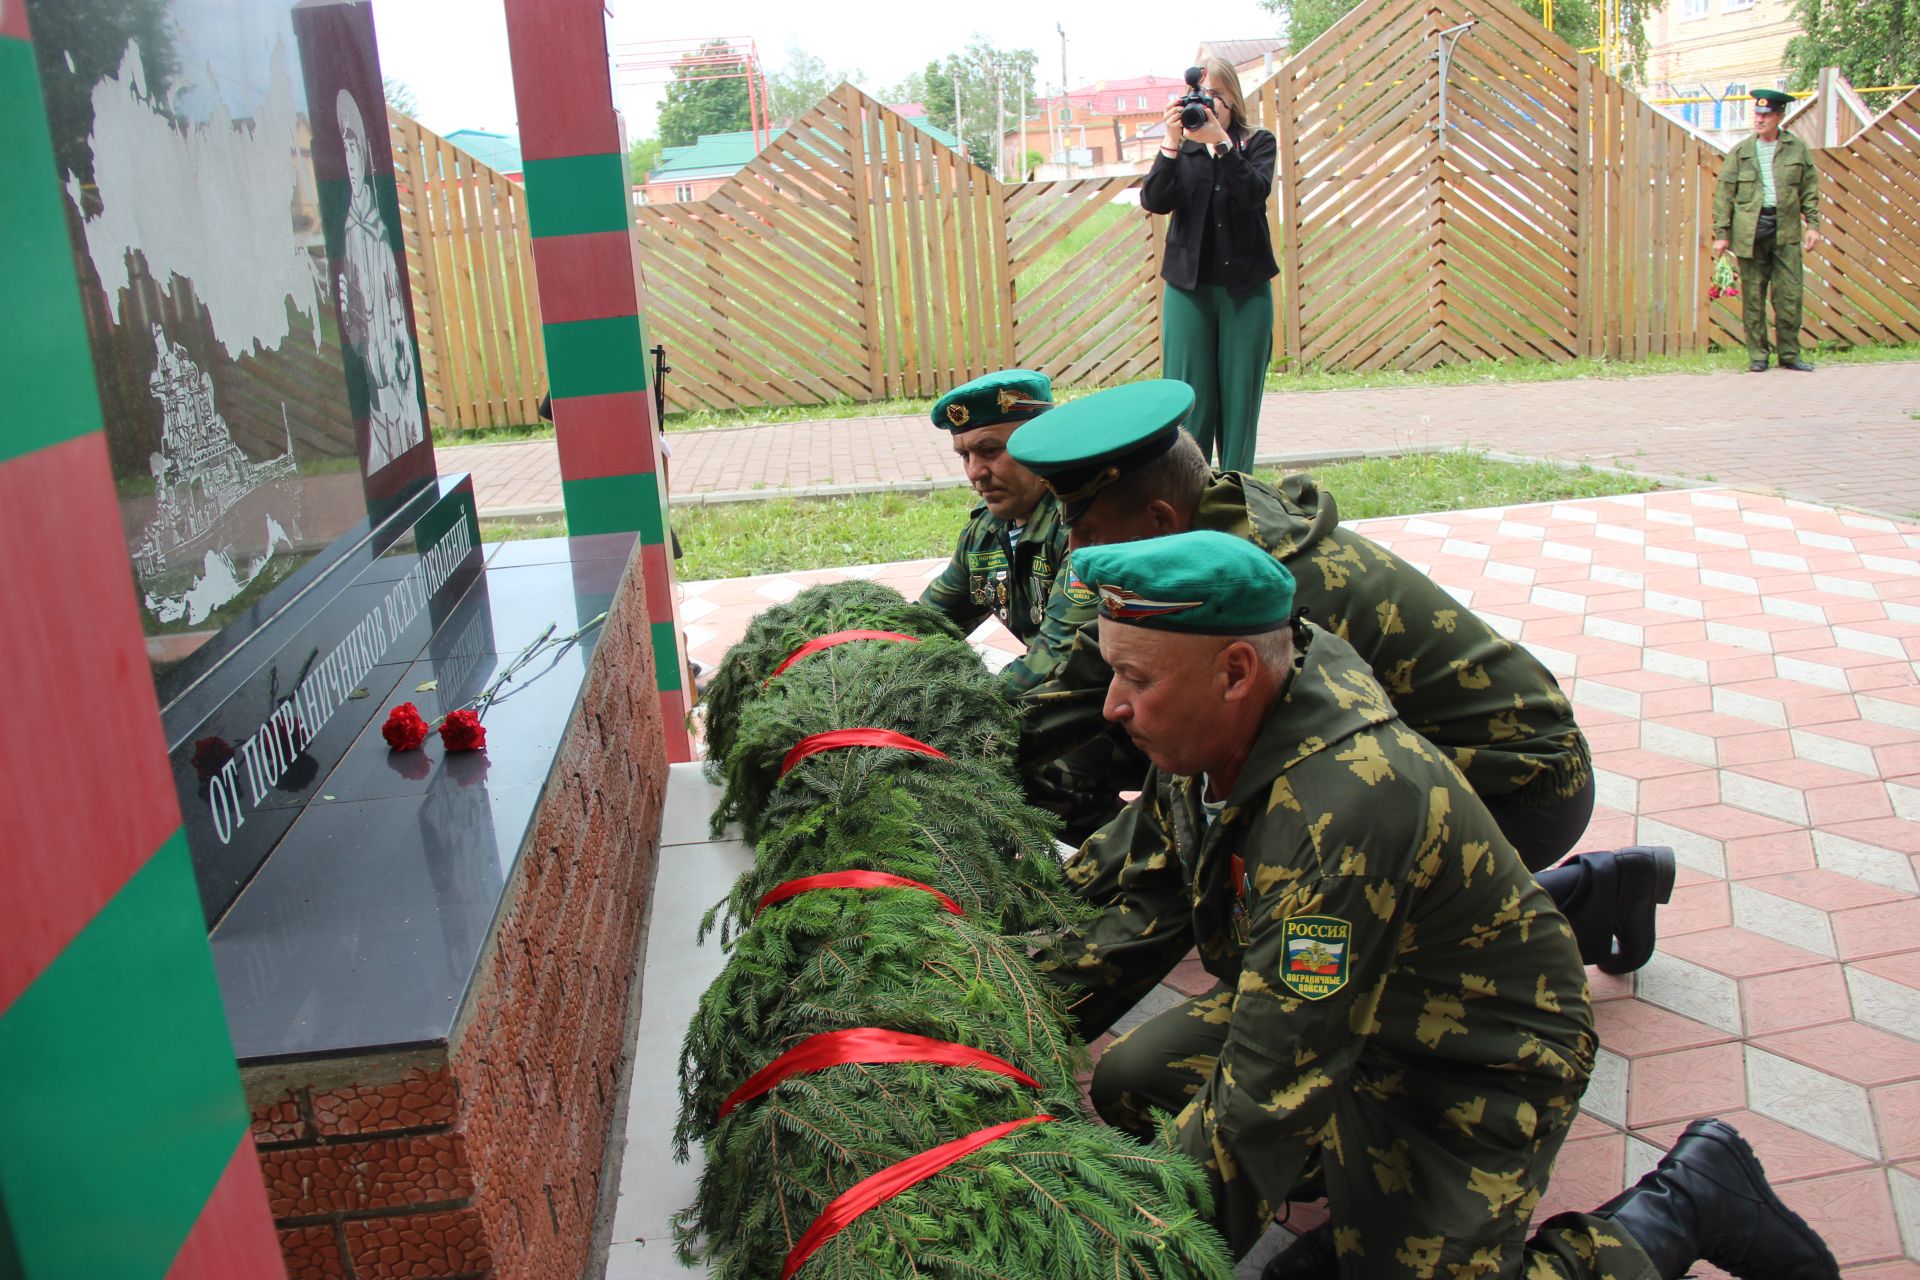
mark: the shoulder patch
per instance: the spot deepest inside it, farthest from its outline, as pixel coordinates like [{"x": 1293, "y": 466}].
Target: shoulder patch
[
  {"x": 1317, "y": 949},
  {"x": 1078, "y": 591}
]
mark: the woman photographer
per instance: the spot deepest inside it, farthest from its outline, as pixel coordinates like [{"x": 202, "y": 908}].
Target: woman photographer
[{"x": 1217, "y": 313}]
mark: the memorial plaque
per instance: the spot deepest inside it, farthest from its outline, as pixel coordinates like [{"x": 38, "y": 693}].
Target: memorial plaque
[{"x": 237, "y": 239}]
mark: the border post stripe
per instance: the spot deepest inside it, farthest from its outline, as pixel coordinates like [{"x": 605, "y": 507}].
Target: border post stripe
[
  {"x": 598, "y": 362},
  {"x": 122, "y": 1103}
]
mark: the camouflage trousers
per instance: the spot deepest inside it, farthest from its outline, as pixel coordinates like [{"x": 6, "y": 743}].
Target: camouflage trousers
[
  {"x": 1406, "y": 1181},
  {"x": 1774, "y": 268}
]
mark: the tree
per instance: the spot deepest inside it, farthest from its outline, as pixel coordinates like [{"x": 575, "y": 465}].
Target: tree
[
  {"x": 1575, "y": 21},
  {"x": 642, "y": 156},
  {"x": 802, "y": 82},
  {"x": 704, "y": 98},
  {"x": 82, "y": 42},
  {"x": 400, "y": 96},
  {"x": 1873, "y": 42},
  {"x": 974, "y": 93}
]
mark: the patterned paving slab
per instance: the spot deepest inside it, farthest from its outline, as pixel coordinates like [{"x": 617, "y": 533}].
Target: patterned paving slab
[{"x": 1748, "y": 669}]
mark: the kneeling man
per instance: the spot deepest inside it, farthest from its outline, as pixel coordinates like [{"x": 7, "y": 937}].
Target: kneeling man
[{"x": 1401, "y": 1019}]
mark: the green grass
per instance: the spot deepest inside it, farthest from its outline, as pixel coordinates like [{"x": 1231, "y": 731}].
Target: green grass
[
  {"x": 780, "y": 535},
  {"x": 1097, "y": 224},
  {"x": 1482, "y": 372},
  {"x": 1458, "y": 480},
  {"x": 445, "y": 436}
]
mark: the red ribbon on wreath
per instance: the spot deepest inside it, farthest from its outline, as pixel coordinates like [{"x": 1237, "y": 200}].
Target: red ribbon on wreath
[
  {"x": 867, "y": 1045},
  {"x": 833, "y": 638},
  {"x": 850, "y": 880},
  {"x": 889, "y": 1182},
  {"x": 840, "y": 739}
]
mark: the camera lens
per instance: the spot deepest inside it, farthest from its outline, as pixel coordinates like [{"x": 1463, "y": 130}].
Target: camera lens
[{"x": 1193, "y": 116}]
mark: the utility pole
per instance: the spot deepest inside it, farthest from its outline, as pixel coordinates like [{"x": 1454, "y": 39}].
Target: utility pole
[
  {"x": 1066, "y": 96},
  {"x": 999, "y": 123},
  {"x": 959, "y": 112}
]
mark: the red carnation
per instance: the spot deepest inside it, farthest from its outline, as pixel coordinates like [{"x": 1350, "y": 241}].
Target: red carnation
[
  {"x": 210, "y": 756},
  {"x": 462, "y": 731},
  {"x": 1713, "y": 291},
  {"x": 404, "y": 729}
]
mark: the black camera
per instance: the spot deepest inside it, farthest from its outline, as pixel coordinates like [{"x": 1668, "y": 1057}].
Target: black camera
[{"x": 1196, "y": 104}]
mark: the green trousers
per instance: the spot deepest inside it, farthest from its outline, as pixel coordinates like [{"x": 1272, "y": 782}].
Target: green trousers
[
  {"x": 1220, "y": 345},
  {"x": 1775, "y": 267},
  {"x": 1430, "y": 1219}
]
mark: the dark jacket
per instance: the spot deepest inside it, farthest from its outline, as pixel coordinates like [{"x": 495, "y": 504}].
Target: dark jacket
[{"x": 1232, "y": 193}]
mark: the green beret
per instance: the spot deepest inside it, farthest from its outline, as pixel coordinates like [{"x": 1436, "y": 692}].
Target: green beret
[
  {"x": 1202, "y": 582},
  {"x": 1774, "y": 98},
  {"x": 1086, "y": 444},
  {"x": 1011, "y": 395}
]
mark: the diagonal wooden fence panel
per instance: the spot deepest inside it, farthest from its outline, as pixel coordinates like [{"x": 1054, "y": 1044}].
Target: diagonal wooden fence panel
[
  {"x": 470, "y": 259},
  {"x": 1555, "y": 216}
]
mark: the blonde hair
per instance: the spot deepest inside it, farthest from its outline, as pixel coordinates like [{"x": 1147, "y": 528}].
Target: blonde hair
[{"x": 1225, "y": 81}]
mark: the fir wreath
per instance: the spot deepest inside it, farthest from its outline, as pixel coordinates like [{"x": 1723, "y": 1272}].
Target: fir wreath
[
  {"x": 775, "y": 633},
  {"x": 1064, "y": 1200},
  {"x": 961, "y": 826},
  {"x": 937, "y": 692}
]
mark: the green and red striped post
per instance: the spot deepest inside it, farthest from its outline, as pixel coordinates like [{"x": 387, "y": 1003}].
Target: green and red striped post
[
  {"x": 580, "y": 215},
  {"x": 124, "y": 1141}
]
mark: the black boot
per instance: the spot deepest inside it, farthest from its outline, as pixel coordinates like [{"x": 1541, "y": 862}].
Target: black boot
[
  {"x": 1311, "y": 1257},
  {"x": 1708, "y": 1200},
  {"x": 1610, "y": 898}
]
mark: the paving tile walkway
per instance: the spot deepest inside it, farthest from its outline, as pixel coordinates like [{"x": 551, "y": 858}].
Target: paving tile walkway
[
  {"x": 1845, "y": 434},
  {"x": 1748, "y": 669}
]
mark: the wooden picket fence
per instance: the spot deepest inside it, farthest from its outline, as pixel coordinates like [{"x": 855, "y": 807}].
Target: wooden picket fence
[
  {"x": 470, "y": 265},
  {"x": 858, "y": 257},
  {"x": 1555, "y": 216}
]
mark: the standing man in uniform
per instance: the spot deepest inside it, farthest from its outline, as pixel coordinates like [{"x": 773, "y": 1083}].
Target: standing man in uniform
[
  {"x": 1766, "y": 207},
  {"x": 1400, "y": 1017}
]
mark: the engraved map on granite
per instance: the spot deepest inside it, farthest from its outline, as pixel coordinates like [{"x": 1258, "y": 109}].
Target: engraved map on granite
[{"x": 244, "y": 295}]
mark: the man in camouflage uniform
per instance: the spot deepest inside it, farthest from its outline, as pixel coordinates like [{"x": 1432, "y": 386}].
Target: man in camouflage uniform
[
  {"x": 1401, "y": 1021},
  {"x": 1118, "y": 461},
  {"x": 1014, "y": 543},
  {"x": 1766, "y": 208},
  {"x": 1005, "y": 565}
]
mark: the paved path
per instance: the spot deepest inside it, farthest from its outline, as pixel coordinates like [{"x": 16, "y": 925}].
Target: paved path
[
  {"x": 1846, "y": 434},
  {"x": 1745, "y": 670}
]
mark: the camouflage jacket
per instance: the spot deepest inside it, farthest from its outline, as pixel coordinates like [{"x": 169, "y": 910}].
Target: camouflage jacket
[
  {"x": 1013, "y": 581},
  {"x": 1485, "y": 701},
  {"x": 1739, "y": 194},
  {"x": 1380, "y": 936}
]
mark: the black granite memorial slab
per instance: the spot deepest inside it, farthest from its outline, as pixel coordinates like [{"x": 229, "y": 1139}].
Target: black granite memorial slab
[
  {"x": 255, "y": 736},
  {"x": 363, "y": 929},
  {"x": 236, "y": 235}
]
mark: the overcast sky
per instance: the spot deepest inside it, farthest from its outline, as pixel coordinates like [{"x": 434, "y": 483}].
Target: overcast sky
[{"x": 453, "y": 53}]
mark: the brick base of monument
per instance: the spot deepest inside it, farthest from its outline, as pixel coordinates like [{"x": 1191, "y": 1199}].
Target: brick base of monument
[{"x": 485, "y": 1157}]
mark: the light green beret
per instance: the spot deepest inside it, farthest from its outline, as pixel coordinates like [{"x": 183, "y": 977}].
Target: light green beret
[
  {"x": 1011, "y": 395},
  {"x": 1086, "y": 444},
  {"x": 1203, "y": 582}
]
